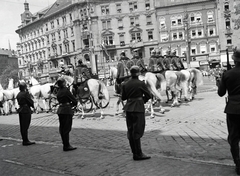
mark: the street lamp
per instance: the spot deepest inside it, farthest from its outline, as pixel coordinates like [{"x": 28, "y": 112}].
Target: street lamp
[{"x": 188, "y": 40}]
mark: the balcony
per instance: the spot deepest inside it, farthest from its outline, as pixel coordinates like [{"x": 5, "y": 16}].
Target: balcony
[{"x": 110, "y": 46}]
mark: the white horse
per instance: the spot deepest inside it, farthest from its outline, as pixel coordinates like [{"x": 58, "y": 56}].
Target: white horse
[
  {"x": 113, "y": 75},
  {"x": 2, "y": 101},
  {"x": 10, "y": 95},
  {"x": 190, "y": 79},
  {"x": 95, "y": 87}
]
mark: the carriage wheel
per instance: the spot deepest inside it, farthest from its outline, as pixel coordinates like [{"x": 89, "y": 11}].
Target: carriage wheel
[
  {"x": 86, "y": 105},
  {"x": 53, "y": 104}
]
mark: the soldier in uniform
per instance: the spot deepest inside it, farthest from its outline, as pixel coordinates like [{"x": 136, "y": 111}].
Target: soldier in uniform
[
  {"x": 136, "y": 60},
  {"x": 137, "y": 94},
  {"x": 65, "y": 113},
  {"x": 152, "y": 65},
  {"x": 25, "y": 112},
  {"x": 166, "y": 61},
  {"x": 82, "y": 72},
  {"x": 160, "y": 65},
  {"x": 230, "y": 83}
]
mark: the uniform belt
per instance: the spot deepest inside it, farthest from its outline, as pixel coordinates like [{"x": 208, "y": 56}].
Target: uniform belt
[
  {"x": 23, "y": 105},
  {"x": 135, "y": 99}
]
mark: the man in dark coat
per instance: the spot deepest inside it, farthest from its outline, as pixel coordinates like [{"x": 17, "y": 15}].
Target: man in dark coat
[
  {"x": 230, "y": 83},
  {"x": 65, "y": 113},
  {"x": 25, "y": 112},
  {"x": 136, "y": 94}
]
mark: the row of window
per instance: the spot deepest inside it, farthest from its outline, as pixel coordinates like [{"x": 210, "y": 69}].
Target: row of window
[
  {"x": 32, "y": 46},
  {"x": 65, "y": 33},
  {"x": 60, "y": 21},
  {"x": 133, "y": 6},
  {"x": 34, "y": 57},
  {"x": 58, "y": 50}
]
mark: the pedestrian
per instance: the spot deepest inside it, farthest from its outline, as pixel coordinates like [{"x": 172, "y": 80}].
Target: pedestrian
[
  {"x": 230, "y": 83},
  {"x": 136, "y": 94},
  {"x": 65, "y": 113},
  {"x": 25, "y": 113}
]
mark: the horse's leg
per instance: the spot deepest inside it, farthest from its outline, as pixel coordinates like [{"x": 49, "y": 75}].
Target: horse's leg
[
  {"x": 117, "y": 106},
  {"x": 101, "y": 111},
  {"x": 44, "y": 104},
  {"x": 152, "y": 110}
]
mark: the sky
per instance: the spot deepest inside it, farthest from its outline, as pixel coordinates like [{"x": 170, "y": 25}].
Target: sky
[{"x": 10, "y": 19}]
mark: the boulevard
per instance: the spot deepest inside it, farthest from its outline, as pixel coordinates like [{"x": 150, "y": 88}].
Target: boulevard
[{"x": 186, "y": 140}]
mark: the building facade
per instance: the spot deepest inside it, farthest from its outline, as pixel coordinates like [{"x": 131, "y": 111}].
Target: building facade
[
  {"x": 7, "y": 57},
  {"x": 229, "y": 25},
  {"x": 98, "y": 31},
  {"x": 189, "y": 25}
]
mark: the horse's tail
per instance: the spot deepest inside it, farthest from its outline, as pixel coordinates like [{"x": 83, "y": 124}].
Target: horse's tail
[
  {"x": 151, "y": 80},
  {"x": 162, "y": 80},
  {"x": 197, "y": 77},
  {"x": 104, "y": 90}
]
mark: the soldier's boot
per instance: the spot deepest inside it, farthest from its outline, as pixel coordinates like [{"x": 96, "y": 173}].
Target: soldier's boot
[
  {"x": 139, "y": 154},
  {"x": 132, "y": 145},
  {"x": 235, "y": 155}
]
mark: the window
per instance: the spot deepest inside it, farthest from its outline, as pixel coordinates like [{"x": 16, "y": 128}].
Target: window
[
  {"x": 147, "y": 4},
  {"x": 121, "y": 39},
  {"x": 136, "y": 37},
  {"x": 134, "y": 21},
  {"x": 73, "y": 45},
  {"x": 52, "y": 24},
  {"x": 59, "y": 35},
  {"x": 66, "y": 47},
  {"x": 210, "y": 17},
  {"x": 162, "y": 23},
  {"x": 228, "y": 24},
  {"x": 203, "y": 48},
  {"x": 180, "y": 35},
  {"x": 229, "y": 41},
  {"x": 150, "y": 35},
  {"x": 226, "y": 6},
  {"x": 53, "y": 37},
  {"x": 212, "y": 47},
  {"x": 174, "y": 36},
  {"x": 72, "y": 32},
  {"x": 108, "y": 40},
  {"x": 193, "y": 33},
  {"x": 119, "y": 8},
  {"x": 149, "y": 20},
  {"x": 70, "y": 17},
  {"x": 47, "y": 39},
  {"x": 133, "y": 6},
  {"x": 120, "y": 23},
  {"x": 200, "y": 33},
  {"x": 86, "y": 43},
  {"x": 65, "y": 31},
  {"x": 85, "y": 27},
  {"x": 105, "y": 10},
  {"x": 46, "y": 25},
  {"x": 106, "y": 24},
  {"x": 164, "y": 37},
  {"x": 193, "y": 51},
  {"x": 211, "y": 32},
  {"x": 64, "y": 20},
  {"x": 58, "y": 22}
]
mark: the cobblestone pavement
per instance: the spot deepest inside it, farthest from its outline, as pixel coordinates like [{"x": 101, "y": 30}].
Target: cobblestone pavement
[{"x": 186, "y": 140}]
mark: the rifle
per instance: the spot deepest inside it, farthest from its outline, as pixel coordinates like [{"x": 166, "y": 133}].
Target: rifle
[{"x": 228, "y": 63}]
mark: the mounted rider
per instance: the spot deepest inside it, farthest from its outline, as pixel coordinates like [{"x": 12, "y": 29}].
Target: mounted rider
[
  {"x": 136, "y": 60},
  {"x": 167, "y": 61},
  {"x": 176, "y": 61},
  {"x": 82, "y": 73},
  {"x": 159, "y": 57},
  {"x": 152, "y": 65}
]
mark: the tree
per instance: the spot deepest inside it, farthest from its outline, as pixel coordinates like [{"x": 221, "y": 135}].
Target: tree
[{"x": 11, "y": 71}]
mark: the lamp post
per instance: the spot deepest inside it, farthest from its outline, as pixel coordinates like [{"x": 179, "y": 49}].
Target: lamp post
[
  {"x": 188, "y": 40},
  {"x": 91, "y": 47}
]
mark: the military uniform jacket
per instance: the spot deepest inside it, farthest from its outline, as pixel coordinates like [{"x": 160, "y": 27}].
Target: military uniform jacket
[
  {"x": 25, "y": 102},
  {"x": 152, "y": 66},
  {"x": 66, "y": 101},
  {"x": 136, "y": 93},
  {"x": 122, "y": 68},
  {"x": 230, "y": 83}
]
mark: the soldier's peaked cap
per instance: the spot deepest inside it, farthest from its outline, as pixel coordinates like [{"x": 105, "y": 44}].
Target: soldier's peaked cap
[{"x": 22, "y": 84}]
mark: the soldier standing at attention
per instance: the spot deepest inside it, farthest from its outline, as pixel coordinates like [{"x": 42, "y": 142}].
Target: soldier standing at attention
[
  {"x": 65, "y": 113},
  {"x": 230, "y": 83},
  {"x": 24, "y": 111},
  {"x": 160, "y": 65},
  {"x": 136, "y": 94}
]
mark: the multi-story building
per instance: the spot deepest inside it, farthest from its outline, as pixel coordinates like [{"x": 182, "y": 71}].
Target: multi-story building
[
  {"x": 191, "y": 28},
  {"x": 7, "y": 57},
  {"x": 98, "y": 31},
  {"x": 229, "y": 27}
]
